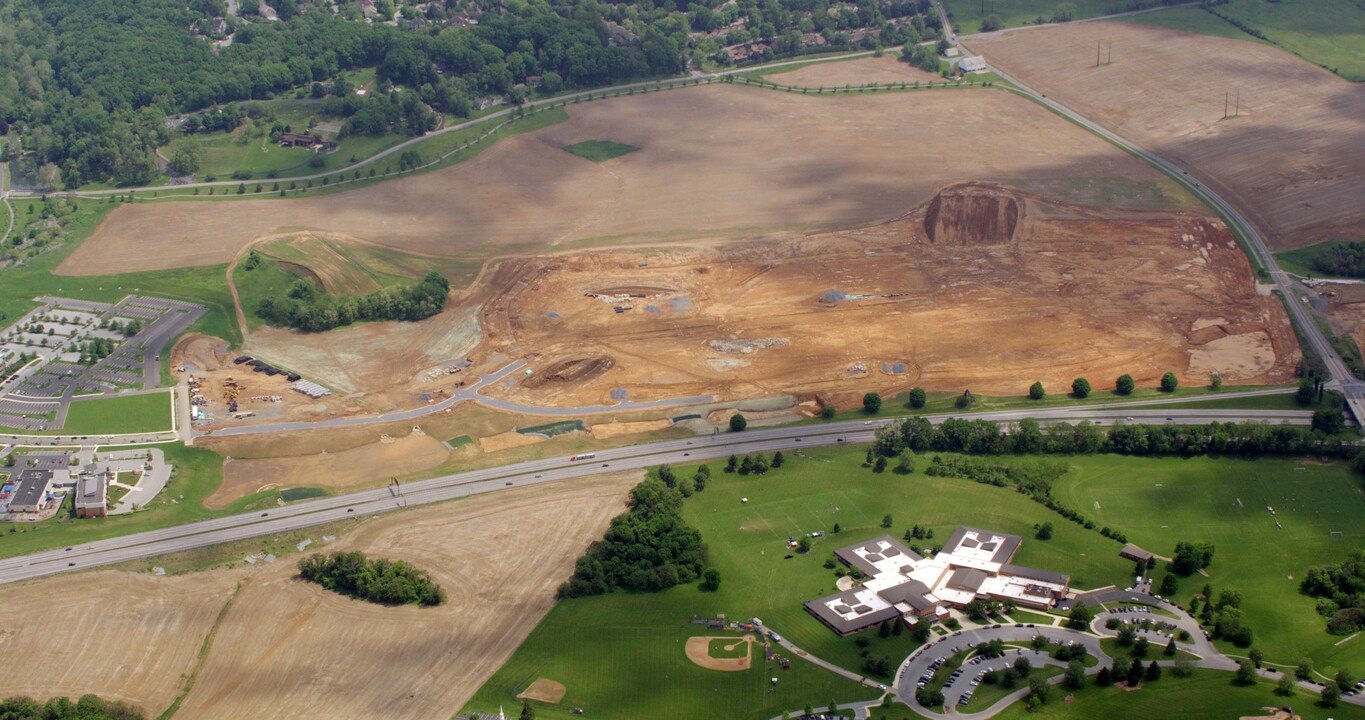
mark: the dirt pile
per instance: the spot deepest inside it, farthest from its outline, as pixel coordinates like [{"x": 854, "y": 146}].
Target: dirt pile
[
  {"x": 972, "y": 214},
  {"x": 572, "y": 370}
]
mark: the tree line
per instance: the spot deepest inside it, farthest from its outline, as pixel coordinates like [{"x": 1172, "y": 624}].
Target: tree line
[
  {"x": 983, "y": 437},
  {"x": 648, "y": 548},
  {"x": 386, "y": 582},
  {"x": 308, "y": 309},
  {"x": 89, "y": 707},
  {"x": 1341, "y": 259}
]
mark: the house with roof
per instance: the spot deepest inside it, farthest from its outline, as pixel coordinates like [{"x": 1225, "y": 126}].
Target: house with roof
[
  {"x": 1133, "y": 552},
  {"x": 901, "y": 584}
]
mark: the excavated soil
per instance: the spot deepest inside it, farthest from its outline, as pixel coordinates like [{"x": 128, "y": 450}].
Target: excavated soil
[
  {"x": 573, "y": 370},
  {"x": 983, "y": 287}
]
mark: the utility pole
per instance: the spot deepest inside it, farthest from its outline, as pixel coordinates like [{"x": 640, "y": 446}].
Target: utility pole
[
  {"x": 1225, "y": 106},
  {"x": 1110, "y": 58},
  {"x": 1097, "y": 53},
  {"x": 1238, "y": 112}
]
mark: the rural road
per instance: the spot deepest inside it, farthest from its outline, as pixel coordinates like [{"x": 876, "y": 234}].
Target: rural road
[
  {"x": 9, "y": 209},
  {"x": 447, "y": 487},
  {"x": 1341, "y": 377}
]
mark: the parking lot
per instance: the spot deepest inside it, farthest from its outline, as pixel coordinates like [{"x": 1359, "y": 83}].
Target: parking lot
[{"x": 36, "y": 398}]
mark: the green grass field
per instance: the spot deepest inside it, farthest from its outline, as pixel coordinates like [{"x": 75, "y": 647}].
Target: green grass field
[
  {"x": 580, "y": 642},
  {"x": 1330, "y": 33},
  {"x": 1300, "y": 262},
  {"x": 1157, "y": 502},
  {"x": 599, "y": 150},
  {"x": 119, "y": 415},
  {"x": 1191, "y": 19},
  {"x": 1206, "y": 695},
  {"x": 254, "y": 285}
]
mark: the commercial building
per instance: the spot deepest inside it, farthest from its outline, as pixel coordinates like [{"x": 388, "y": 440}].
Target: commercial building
[
  {"x": 31, "y": 489},
  {"x": 901, "y": 584},
  {"x": 92, "y": 491}
]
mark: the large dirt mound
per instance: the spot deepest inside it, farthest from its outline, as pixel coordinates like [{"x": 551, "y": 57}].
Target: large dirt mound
[
  {"x": 972, "y": 214},
  {"x": 571, "y": 371}
]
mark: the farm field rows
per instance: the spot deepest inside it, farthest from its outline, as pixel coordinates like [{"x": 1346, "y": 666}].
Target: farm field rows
[
  {"x": 497, "y": 557},
  {"x": 1289, "y": 159}
]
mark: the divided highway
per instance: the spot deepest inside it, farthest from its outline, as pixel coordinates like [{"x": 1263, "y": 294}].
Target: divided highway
[{"x": 448, "y": 487}]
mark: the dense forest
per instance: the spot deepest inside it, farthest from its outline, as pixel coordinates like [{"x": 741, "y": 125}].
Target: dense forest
[
  {"x": 311, "y": 310},
  {"x": 88, "y": 707},
  {"x": 376, "y": 580},
  {"x": 88, "y": 85},
  {"x": 647, "y": 549}
]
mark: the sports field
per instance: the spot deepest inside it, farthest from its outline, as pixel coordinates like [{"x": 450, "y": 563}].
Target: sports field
[
  {"x": 121, "y": 414},
  {"x": 1158, "y": 502},
  {"x": 605, "y": 648}
]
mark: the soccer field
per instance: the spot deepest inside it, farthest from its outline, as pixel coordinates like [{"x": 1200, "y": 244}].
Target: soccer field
[{"x": 1320, "y": 508}]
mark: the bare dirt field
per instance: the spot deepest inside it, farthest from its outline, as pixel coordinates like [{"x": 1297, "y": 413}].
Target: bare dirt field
[
  {"x": 347, "y": 470},
  {"x": 1293, "y": 161},
  {"x": 984, "y": 287},
  {"x": 76, "y": 640},
  {"x": 616, "y": 429},
  {"x": 546, "y": 691},
  {"x": 499, "y": 558},
  {"x": 885, "y": 70},
  {"x": 714, "y": 161}
]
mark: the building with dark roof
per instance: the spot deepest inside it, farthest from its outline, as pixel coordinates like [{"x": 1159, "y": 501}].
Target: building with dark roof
[
  {"x": 31, "y": 491},
  {"x": 900, "y": 583},
  {"x": 1133, "y": 552}
]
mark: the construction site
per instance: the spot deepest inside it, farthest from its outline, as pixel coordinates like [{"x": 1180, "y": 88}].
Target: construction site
[{"x": 955, "y": 294}]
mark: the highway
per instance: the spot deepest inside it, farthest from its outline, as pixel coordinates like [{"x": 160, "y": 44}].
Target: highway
[{"x": 448, "y": 487}]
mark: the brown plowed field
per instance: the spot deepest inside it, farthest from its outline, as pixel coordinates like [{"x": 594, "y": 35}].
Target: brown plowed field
[
  {"x": 885, "y": 70},
  {"x": 119, "y": 635},
  {"x": 1011, "y": 288},
  {"x": 1294, "y": 161},
  {"x": 714, "y": 161},
  {"x": 289, "y": 649}
]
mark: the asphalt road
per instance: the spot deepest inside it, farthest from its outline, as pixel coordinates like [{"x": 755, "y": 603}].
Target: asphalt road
[{"x": 448, "y": 487}]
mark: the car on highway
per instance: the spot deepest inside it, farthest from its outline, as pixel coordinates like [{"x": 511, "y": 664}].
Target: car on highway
[
  {"x": 538, "y": 476},
  {"x": 508, "y": 483},
  {"x": 350, "y": 509},
  {"x": 265, "y": 514}
]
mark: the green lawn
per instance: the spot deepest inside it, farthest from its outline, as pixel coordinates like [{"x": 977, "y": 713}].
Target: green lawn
[
  {"x": 580, "y": 641},
  {"x": 1025, "y": 616},
  {"x": 988, "y": 695},
  {"x": 119, "y": 415},
  {"x": 1300, "y": 262},
  {"x": 1155, "y": 651},
  {"x": 1158, "y": 501},
  {"x": 1330, "y": 33},
  {"x": 196, "y": 474},
  {"x": 253, "y": 286},
  {"x": 599, "y": 150},
  {"x": 1190, "y": 19},
  {"x": 1207, "y": 695},
  {"x": 1285, "y": 401}
]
